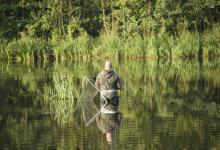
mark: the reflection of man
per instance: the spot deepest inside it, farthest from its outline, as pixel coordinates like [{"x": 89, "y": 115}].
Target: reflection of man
[
  {"x": 108, "y": 82},
  {"x": 108, "y": 123}
]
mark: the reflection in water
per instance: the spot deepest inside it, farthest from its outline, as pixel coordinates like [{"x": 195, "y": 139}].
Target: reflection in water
[
  {"x": 164, "y": 106},
  {"x": 108, "y": 124}
]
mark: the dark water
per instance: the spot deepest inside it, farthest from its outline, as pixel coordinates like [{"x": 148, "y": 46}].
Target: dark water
[{"x": 165, "y": 105}]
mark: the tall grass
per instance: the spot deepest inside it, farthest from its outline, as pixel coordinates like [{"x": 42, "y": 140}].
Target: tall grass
[
  {"x": 185, "y": 45},
  {"x": 72, "y": 49},
  {"x": 211, "y": 42},
  {"x": 26, "y": 48},
  {"x": 3, "y": 52}
]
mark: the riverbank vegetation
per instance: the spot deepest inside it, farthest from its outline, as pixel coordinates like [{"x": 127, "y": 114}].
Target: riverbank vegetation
[{"x": 60, "y": 30}]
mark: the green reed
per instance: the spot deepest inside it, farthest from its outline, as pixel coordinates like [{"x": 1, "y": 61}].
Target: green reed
[
  {"x": 26, "y": 49},
  {"x": 187, "y": 45},
  {"x": 211, "y": 42},
  {"x": 165, "y": 46},
  {"x": 72, "y": 49}
]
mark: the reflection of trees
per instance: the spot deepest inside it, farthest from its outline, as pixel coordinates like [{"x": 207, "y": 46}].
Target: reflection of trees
[
  {"x": 177, "y": 84},
  {"x": 167, "y": 105},
  {"x": 16, "y": 99},
  {"x": 178, "y": 100},
  {"x": 16, "y": 103},
  {"x": 21, "y": 99}
]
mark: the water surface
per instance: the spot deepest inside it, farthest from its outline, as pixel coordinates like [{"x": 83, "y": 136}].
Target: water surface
[{"x": 165, "y": 105}]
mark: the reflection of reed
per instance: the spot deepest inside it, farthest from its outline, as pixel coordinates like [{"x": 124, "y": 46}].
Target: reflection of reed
[
  {"x": 62, "y": 97},
  {"x": 177, "y": 100},
  {"x": 143, "y": 80},
  {"x": 168, "y": 85}
]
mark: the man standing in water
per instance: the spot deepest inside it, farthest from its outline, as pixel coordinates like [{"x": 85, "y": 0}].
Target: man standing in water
[{"x": 108, "y": 82}]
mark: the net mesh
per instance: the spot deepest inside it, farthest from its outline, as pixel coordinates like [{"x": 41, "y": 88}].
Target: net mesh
[{"x": 89, "y": 109}]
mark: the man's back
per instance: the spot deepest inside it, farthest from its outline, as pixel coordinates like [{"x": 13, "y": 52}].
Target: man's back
[{"x": 108, "y": 80}]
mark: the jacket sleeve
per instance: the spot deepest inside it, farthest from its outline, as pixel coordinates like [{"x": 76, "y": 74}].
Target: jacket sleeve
[{"x": 119, "y": 83}]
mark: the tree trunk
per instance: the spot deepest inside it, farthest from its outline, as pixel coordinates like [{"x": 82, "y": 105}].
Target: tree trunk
[
  {"x": 70, "y": 9},
  {"x": 62, "y": 19},
  {"x": 124, "y": 20},
  {"x": 111, "y": 16},
  {"x": 150, "y": 15},
  {"x": 104, "y": 17}
]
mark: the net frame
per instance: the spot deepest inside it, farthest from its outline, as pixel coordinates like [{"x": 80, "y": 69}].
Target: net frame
[{"x": 89, "y": 109}]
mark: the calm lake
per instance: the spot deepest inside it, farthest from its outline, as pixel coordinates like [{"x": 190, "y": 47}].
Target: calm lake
[{"x": 164, "y": 105}]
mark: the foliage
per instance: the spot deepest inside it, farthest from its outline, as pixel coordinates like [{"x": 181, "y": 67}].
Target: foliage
[
  {"x": 43, "y": 18},
  {"x": 60, "y": 30}
]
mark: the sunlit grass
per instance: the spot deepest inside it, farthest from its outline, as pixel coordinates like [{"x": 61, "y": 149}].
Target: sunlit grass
[
  {"x": 159, "y": 46},
  {"x": 26, "y": 49},
  {"x": 187, "y": 45},
  {"x": 211, "y": 43}
]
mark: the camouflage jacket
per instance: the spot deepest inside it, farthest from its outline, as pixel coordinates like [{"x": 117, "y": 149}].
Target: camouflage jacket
[{"x": 108, "y": 80}]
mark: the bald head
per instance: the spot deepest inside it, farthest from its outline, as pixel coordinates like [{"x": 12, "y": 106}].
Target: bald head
[{"x": 108, "y": 65}]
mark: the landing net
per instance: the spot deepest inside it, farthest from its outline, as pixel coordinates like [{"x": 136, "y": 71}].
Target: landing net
[{"x": 89, "y": 109}]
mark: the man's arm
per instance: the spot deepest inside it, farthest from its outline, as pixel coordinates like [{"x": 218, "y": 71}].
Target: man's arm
[{"x": 119, "y": 83}]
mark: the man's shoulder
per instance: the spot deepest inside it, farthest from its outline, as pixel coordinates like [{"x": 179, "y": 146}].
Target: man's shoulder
[{"x": 100, "y": 73}]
